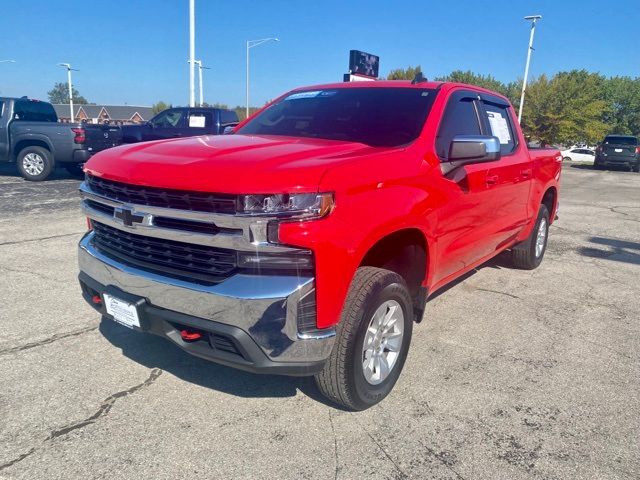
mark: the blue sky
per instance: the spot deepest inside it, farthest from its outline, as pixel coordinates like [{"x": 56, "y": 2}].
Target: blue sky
[{"x": 136, "y": 51}]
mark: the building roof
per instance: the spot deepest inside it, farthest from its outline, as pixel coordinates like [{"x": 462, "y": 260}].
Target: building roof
[{"x": 115, "y": 112}]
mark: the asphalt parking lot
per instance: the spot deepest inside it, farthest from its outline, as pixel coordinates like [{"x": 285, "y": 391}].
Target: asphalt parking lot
[{"x": 512, "y": 374}]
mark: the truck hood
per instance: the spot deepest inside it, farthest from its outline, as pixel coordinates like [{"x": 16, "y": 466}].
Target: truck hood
[{"x": 227, "y": 163}]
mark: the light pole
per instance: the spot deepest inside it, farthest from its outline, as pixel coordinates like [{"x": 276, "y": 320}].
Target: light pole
[
  {"x": 69, "y": 69},
  {"x": 192, "y": 53},
  {"x": 200, "y": 68},
  {"x": 251, "y": 44},
  {"x": 533, "y": 19}
]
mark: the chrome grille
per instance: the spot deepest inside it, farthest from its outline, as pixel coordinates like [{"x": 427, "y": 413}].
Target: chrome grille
[
  {"x": 165, "y": 198},
  {"x": 167, "y": 257}
]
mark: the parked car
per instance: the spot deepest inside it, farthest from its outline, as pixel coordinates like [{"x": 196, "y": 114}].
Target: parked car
[
  {"x": 31, "y": 136},
  {"x": 181, "y": 122},
  {"x": 618, "y": 151},
  {"x": 308, "y": 242},
  {"x": 583, "y": 155}
]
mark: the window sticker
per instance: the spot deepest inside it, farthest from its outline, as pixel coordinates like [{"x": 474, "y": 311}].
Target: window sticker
[
  {"x": 499, "y": 127},
  {"x": 299, "y": 95},
  {"x": 196, "y": 121}
]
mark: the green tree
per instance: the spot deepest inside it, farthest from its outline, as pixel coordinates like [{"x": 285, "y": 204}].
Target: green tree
[
  {"x": 622, "y": 94},
  {"x": 470, "y": 78},
  {"x": 159, "y": 107},
  {"x": 408, "y": 73},
  {"x": 60, "y": 94},
  {"x": 568, "y": 108}
]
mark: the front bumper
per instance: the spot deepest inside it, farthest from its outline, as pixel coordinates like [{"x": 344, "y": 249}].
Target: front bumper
[{"x": 258, "y": 314}]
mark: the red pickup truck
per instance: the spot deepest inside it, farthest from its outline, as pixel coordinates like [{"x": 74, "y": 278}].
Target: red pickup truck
[{"x": 307, "y": 242}]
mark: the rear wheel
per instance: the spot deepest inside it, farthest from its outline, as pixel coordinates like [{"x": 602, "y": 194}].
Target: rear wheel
[
  {"x": 35, "y": 163},
  {"x": 529, "y": 253},
  {"x": 372, "y": 341},
  {"x": 636, "y": 167}
]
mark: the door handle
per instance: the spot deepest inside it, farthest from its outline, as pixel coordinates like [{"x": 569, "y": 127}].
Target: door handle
[
  {"x": 492, "y": 179},
  {"x": 525, "y": 173}
]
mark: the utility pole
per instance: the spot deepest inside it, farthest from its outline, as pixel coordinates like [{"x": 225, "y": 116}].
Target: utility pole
[
  {"x": 533, "y": 19},
  {"x": 192, "y": 53},
  {"x": 69, "y": 69}
]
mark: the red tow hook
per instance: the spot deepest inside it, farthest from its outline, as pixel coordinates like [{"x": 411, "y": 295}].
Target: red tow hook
[
  {"x": 96, "y": 299},
  {"x": 189, "y": 336}
]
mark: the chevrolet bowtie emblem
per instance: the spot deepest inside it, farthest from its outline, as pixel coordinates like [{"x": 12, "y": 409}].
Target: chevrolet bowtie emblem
[{"x": 127, "y": 217}]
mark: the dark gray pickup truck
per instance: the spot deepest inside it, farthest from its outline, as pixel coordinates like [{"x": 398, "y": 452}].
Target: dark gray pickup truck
[
  {"x": 181, "y": 122},
  {"x": 31, "y": 136}
]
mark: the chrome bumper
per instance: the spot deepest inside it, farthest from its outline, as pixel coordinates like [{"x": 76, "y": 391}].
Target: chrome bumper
[{"x": 263, "y": 306}]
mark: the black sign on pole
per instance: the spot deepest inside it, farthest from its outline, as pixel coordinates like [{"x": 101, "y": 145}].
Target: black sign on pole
[{"x": 364, "y": 64}]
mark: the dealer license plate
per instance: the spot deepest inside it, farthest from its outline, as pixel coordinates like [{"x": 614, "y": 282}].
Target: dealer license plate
[
  {"x": 618, "y": 150},
  {"x": 121, "y": 311}
]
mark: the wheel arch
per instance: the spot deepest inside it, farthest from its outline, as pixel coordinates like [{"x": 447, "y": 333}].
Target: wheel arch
[
  {"x": 406, "y": 252},
  {"x": 30, "y": 142}
]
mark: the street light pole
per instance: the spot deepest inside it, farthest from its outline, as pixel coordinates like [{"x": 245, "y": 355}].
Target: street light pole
[
  {"x": 200, "y": 68},
  {"x": 69, "y": 69},
  {"x": 534, "y": 19},
  {"x": 192, "y": 53},
  {"x": 251, "y": 44}
]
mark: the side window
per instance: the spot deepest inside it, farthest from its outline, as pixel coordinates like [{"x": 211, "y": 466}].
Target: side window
[
  {"x": 227, "y": 117},
  {"x": 1, "y": 108},
  {"x": 460, "y": 118},
  {"x": 200, "y": 120},
  {"x": 167, "y": 119},
  {"x": 500, "y": 126},
  {"x": 34, "y": 111}
]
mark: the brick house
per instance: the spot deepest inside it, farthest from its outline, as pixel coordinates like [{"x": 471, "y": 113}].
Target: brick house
[{"x": 113, "y": 114}]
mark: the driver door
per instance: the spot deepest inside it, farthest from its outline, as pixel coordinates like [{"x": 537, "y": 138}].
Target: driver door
[{"x": 466, "y": 216}]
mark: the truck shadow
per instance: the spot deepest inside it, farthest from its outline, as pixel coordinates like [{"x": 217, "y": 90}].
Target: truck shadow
[
  {"x": 613, "y": 249},
  {"x": 155, "y": 352}
]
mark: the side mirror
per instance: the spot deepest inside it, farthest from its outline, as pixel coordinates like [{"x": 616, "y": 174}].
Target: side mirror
[
  {"x": 467, "y": 149},
  {"x": 228, "y": 130}
]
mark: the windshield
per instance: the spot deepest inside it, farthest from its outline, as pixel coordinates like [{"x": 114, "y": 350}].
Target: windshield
[
  {"x": 621, "y": 140},
  {"x": 383, "y": 117}
]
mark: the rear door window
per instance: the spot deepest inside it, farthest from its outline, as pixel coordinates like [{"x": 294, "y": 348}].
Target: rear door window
[
  {"x": 34, "y": 111},
  {"x": 227, "y": 117},
  {"x": 499, "y": 124}
]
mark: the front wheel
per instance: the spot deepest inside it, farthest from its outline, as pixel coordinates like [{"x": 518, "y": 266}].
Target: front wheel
[
  {"x": 529, "y": 253},
  {"x": 35, "y": 163},
  {"x": 372, "y": 341}
]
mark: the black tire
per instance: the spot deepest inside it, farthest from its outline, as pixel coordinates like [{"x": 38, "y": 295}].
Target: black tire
[
  {"x": 598, "y": 166},
  {"x": 74, "y": 169},
  {"x": 525, "y": 255},
  {"x": 343, "y": 379},
  {"x": 35, "y": 163},
  {"x": 636, "y": 167}
]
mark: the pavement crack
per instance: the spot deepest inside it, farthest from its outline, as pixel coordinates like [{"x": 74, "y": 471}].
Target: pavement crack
[
  {"x": 400, "y": 471},
  {"x": 335, "y": 447},
  {"x": 46, "y": 341},
  {"x": 17, "y": 459},
  {"x": 18, "y": 242},
  {"x": 29, "y": 272},
  {"x": 105, "y": 406},
  {"x": 498, "y": 292}
]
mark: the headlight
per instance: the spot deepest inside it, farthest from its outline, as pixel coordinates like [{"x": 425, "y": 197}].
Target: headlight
[{"x": 300, "y": 205}]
